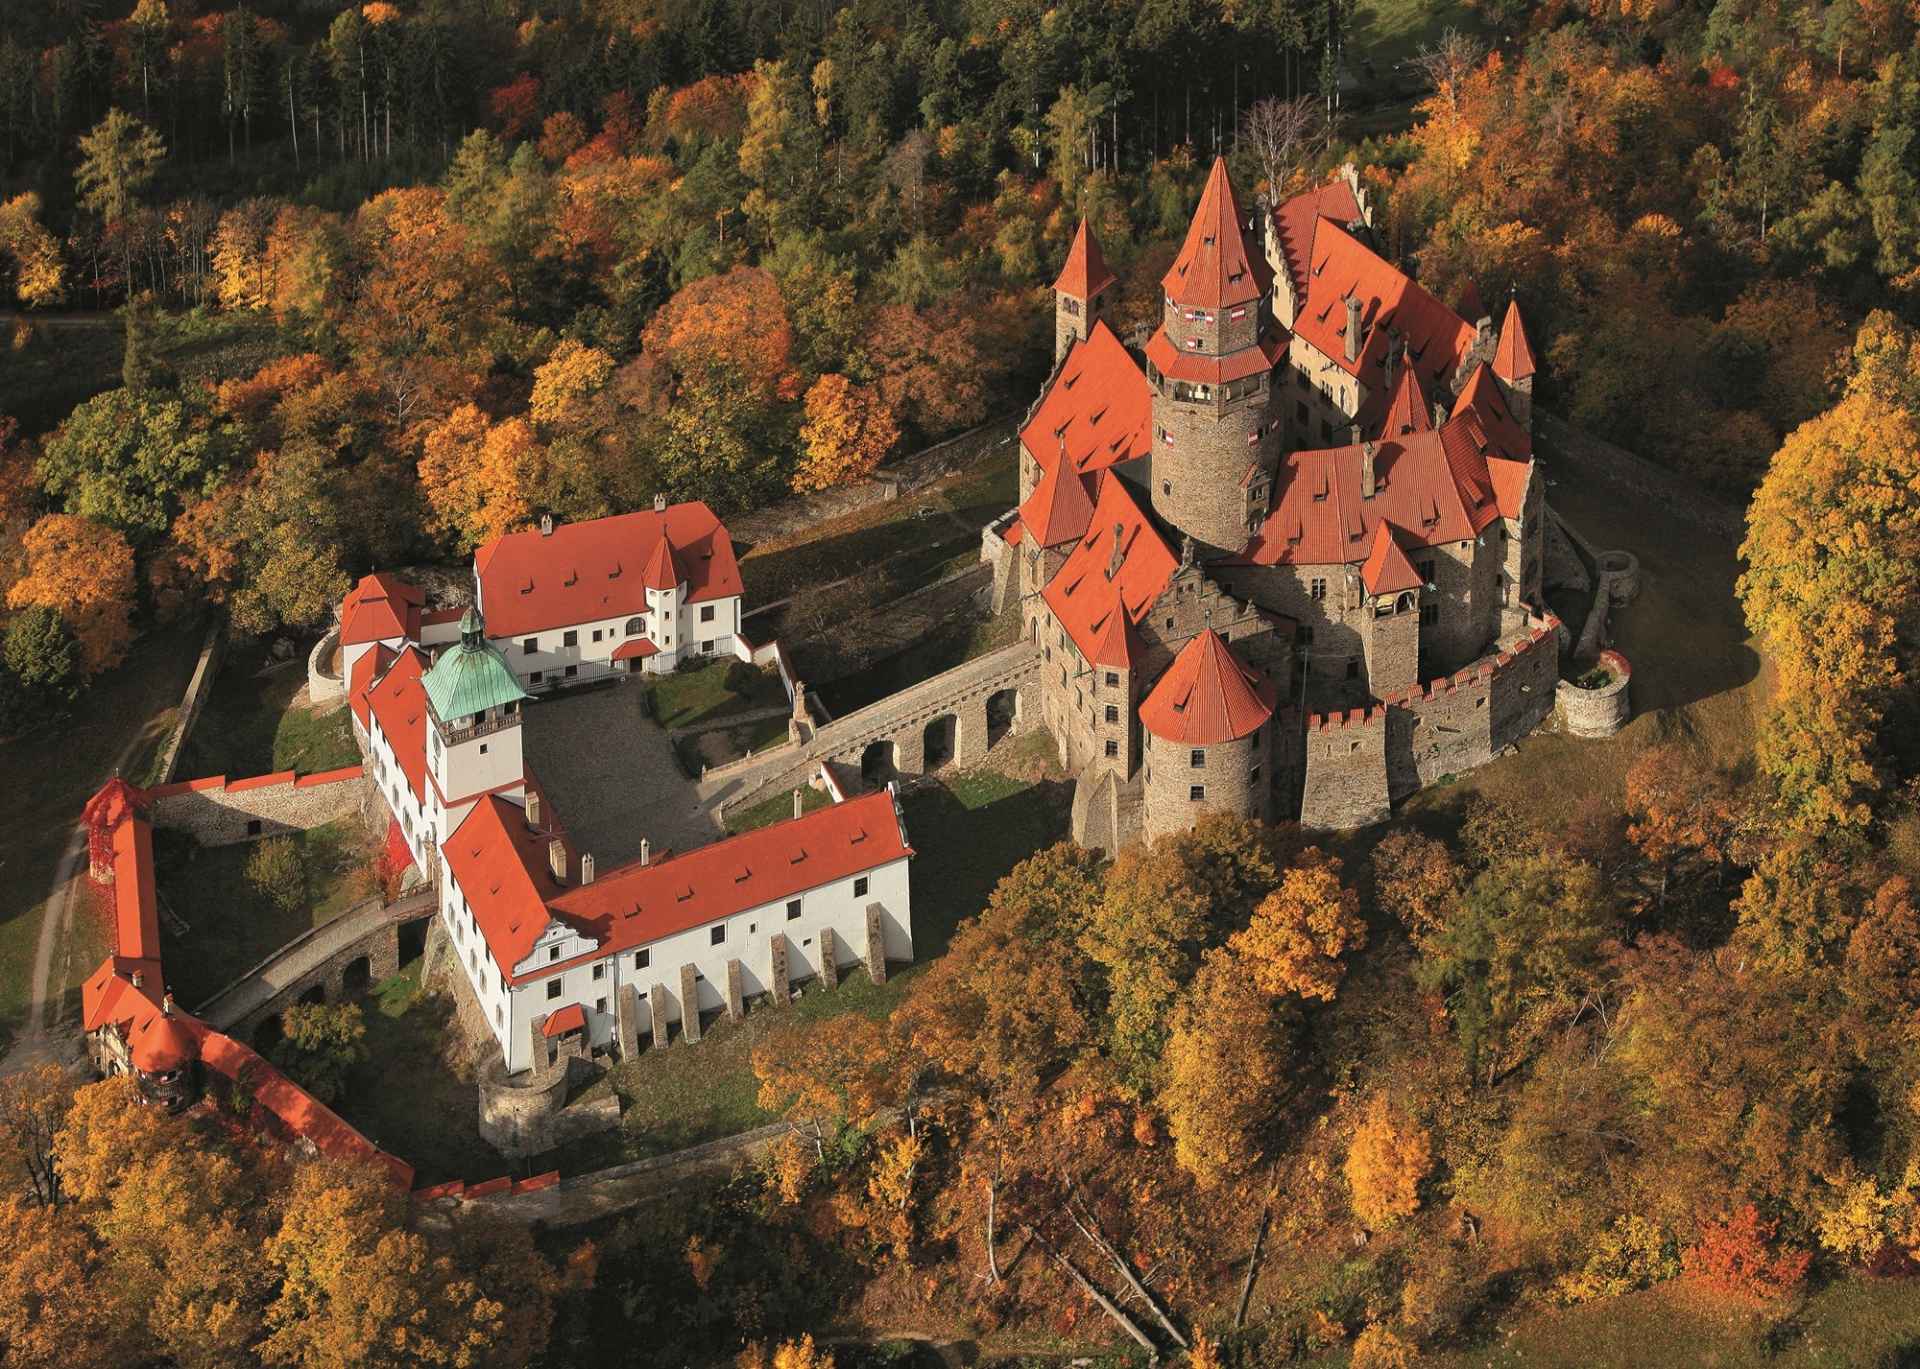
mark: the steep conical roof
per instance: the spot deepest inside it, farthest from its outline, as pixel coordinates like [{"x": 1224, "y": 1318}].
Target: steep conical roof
[
  {"x": 1408, "y": 410},
  {"x": 1387, "y": 570},
  {"x": 1060, "y": 507},
  {"x": 663, "y": 567},
  {"x": 1214, "y": 269},
  {"x": 1468, "y": 306},
  {"x": 1207, "y": 696},
  {"x": 1514, "y": 359},
  {"x": 1085, "y": 274},
  {"x": 471, "y": 676},
  {"x": 160, "y": 1042}
]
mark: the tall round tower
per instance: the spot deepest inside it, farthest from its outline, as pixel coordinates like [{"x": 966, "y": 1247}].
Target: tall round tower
[
  {"x": 1208, "y": 738},
  {"x": 1216, "y": 444}
]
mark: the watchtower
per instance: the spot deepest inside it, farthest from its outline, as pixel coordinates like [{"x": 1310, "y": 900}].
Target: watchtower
[{"x": 1080, "y": 294}]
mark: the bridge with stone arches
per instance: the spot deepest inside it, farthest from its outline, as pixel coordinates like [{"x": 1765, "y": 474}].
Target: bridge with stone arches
[
  {"x": 335, "y": 961},
  {"x": 957, "y": 716}
]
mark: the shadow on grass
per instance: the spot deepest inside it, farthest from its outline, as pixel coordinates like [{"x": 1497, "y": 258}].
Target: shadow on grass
[{"x": 966, "y": 836}]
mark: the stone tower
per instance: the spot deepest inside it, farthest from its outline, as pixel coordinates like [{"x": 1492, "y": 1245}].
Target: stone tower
[
  {"x": 1390, "y": 621},
  {"x": 1081, "y": 293},
  {"x": 1210, "y": 365},
  {"x": 1208, "y": 738},
  {"x": 1513, "y": 366}
]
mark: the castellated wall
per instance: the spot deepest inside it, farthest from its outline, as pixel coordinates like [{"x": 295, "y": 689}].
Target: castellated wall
[
  {"x": 1346, "y": 762},
  {"x": 220, "y": 812}
]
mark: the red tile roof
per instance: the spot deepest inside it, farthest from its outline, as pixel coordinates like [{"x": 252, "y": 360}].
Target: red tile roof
[
  {"x": 368, "y": 668},
  {"x": 1469, "y": 306},
  {"x": 398, "y": 701},
  {"x": 1200, "y": 369},
  {"x": 114, "y": 814},
  {"x": 1085, "y": 274},
  {"x": 663, "y": 567},
  {"x": 1433, "y": 486},
  {"x": 598, "y": 569},
  {"x": 1481, "y": 398},
  {"x": 501, "y": 864},
  {"x": 1098, "y": 409},
  {"x": 1059, "y": 508},
  {"x": 1437, "y": 341},
  {"x": 1214, "y": 269},
  {"x": 159, "y": 1042},
  {"x": 1207, "y": 695},
  {"x": 1408, "y": 410},
  {"x": 1092, "y": 605},
  {"x": 380, "y": 607},
  {"x": 572, "y": 1018},
  {"x": 1296, "y": 219},
  {"x": 1387, "y": 569},
  {"x": 633, "y": 647},
  {"x": 1514, "y": 358}
]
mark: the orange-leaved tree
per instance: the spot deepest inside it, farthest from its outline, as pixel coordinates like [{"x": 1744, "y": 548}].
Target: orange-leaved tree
[
  {"x": 848, "y": 432},
  {"x": 1737, "y": 1255},
  {"x": 475, "y": 476},
  {"x": 84, "y": 570},
  {"x": 1386, "y": 1162},
  {"x": 1300, "y": 931}
]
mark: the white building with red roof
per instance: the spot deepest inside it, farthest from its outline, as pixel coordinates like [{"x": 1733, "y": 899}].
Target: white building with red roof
[{"x": 1313, "y": 472}]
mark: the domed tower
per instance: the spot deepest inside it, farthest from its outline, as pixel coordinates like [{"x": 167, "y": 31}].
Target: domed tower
[
  {"x": 1080, "y": 294},
  {"x": 163, "y": 1053},
  {"x": 1216, "y": 446},
  {"x": 1208, "y": 736},
  {"x": 474, "y": 703}
]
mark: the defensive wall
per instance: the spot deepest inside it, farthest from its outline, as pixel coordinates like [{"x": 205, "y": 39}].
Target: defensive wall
[
  {"x": 1598, "y": 710},
  {"x": 1359, "y": 761},
  {"x": 324, "y": 680},
  {"x": 219, "y": 812},
  {"x": 198, "y": 687}
]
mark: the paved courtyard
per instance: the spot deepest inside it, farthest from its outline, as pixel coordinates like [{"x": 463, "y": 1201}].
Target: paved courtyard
[{"x": 610, "y": 775}]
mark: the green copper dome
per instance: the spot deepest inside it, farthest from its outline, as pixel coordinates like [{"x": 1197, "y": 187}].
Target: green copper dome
[{"x": 472, "y": 676}]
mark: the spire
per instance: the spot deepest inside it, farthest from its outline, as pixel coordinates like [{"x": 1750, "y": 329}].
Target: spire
[
  {"x": 1214, "y": 269},
  {"x": 1387, "y": 569},
  {"x": 473, "y": 628},
  {"x": 1408, "y": 410},
  {"x": 1060, "y": 509},
  {"x": 663, "y": 567},
  {"x": 1513, "y": 361},
  {"x": 1085, "y": 274},
  {"x": 1207, "y": 695}
]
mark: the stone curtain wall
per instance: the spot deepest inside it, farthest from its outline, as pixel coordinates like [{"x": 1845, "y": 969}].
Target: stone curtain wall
[
  {"x": 220, "y": 812},
  {"x": 195, "y": 699},
  {"x": 1559, "y": 443}
]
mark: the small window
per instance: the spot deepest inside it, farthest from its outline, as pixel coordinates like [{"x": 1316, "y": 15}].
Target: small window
[
  {"x": 1253, "y": 775},
  {"x": 793, "y": 909},
  {"x": 553, "y": 954},
  {"x": 706, "y": 647},
  {"x": 529, "y": 646},
  {"x": 706, "y": 613},
  {"x": 1304, "y": 635},
  {"x": 1300, "y": 412},
  {"x": 1113, "y": 679},
  {"x": 554, "y": 986},
  {"x": 1197, "y": 793},
  {"x": 860, "y": 887},
  {"x": 719, "y": 934},
  {"x": 1166, "y": 487},
  {"x": 253, "y": 827},
  {"x": 1113, "y": 714},
  {"x": 570, "y": 638},
  {"x": 1429, "y": 614},
  {"x": 534, "y": 678},
  {"x": 1113, "y": 747},
  {"x": 1424, "y": 569},
  {"x": 1318, "y": 590},
  {"x": 1197, "y": 758},
  {"x": 600, "y": 1005},
  {"x": 596, "y": 634},
  {"x": 599, "y": 971},
  {"x": 1353, "y": 667},
  {"x": 640, "y": 959},
  {"x": 636, "y": 626},
  {"x": 572, "y": 670},
  {"x": 483, "y": 748}
]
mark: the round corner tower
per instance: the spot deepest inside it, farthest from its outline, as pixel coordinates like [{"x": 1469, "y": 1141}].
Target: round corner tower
[
  {"x": 1208, "y": 731},
  {"x": 1216, "y": 445}
]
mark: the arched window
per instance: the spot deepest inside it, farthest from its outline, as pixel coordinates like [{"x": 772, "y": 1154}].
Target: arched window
[{"x": 636, "y": 626}]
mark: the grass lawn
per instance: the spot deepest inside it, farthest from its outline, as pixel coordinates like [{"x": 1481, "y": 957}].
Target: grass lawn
[
  {"x": 50, "y": 772},
  {"x": 250, "y": 725},
  {"x": 775, "y": 809},
  {"x": 967, "y": 830},
  {"x": 716, "y": 690},
  {"x": 415, "y": 1094},
  {"x": 231, "y": 925},
  {"x": 718, "y": 745},
  {"x": 1696, "y": 674}
]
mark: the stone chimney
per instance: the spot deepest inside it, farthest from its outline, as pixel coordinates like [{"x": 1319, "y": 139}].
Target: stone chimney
[
  {"x": 586, "y": 867},
  {"x": 646, "y": 851},
  {"x": 546, "y": 525},
  {"x": 659, "y": 502},
  {"x": 1117, "y": 555},
  {"x": 533, "y": 808},
  {"x": 799, "y": 805},
  {"x": 1368, "y": 482},
  {"x": 1439, "y": 414},
  {"x": 1353, "y": 434},
  {"x": 557, "y": 859},
  {"x": 1353, "y": 327}
]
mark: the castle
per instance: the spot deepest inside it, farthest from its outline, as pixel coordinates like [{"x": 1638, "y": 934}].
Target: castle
[{"x": 1236, "y": 614}]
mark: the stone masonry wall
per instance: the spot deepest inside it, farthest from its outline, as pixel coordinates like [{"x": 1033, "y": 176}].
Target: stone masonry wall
[
  {"x": 1346, "y": 769},
  {"x": 1235, "y": 778},
  {"x": 220, "y": 812}
]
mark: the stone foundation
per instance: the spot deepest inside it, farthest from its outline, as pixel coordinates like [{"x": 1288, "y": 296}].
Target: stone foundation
[{"x": 1598, "y": 712}]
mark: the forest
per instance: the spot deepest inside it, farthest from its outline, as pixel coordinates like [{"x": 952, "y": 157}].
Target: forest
[{"x": 494, "y": 258}]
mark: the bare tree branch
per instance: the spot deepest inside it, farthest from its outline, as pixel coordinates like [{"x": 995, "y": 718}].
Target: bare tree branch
[{"x": 1280, "y": 133}]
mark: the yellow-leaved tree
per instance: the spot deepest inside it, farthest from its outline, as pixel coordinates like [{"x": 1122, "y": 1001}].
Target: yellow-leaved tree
[
  {"x": 1225, "y": 1073},
  {"x": 1300, "y": 930},
  {"x": 476, "y": 475},
  {"x": 849, "y": 430},
  {"x": 1389, "y": 1157},
  {"x": 39, "y": 274},
  {"x": 84, "y": 570}
]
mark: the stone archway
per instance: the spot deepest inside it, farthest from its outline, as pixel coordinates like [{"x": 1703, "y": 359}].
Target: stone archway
[
  {"x": 316, "y": 994},
  {"x": 357, "y": 977},
  {"x": 940, "y": 741},
  {"x": 1003, "y": 714},
  {"x": 879, "y": 763},
  {"x": 268, "y": 1033},
  {"x": 411, "y": 940}
]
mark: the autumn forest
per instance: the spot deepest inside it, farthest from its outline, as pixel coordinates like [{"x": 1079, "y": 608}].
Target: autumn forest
[{"x": 382, "y": 282}]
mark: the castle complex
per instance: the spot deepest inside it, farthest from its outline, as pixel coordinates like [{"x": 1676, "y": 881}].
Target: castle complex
[{"x": 1287, "y": 558}]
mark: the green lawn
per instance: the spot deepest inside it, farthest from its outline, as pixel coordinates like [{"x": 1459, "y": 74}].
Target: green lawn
[
  {"x": 415, "y": 1095},
  {"x": 50, "y": 772},
  {"x": 967, "y": 831},
  {"x": 715, "y": 690},
  {"x": 251, "y": 725},
  {"x": 231, "y": 925},
  {"x": 777, "y": 808}
]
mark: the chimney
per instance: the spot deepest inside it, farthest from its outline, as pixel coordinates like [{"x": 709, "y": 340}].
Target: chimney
[
  {"x": 646, "y": 851},
  {"x": 1114, "y": 560},
  {"x": 659, "y": 502},
  {"x": 586, "y": 867},
  {"x": 1353, "y": 327},
  {"x": 533, "y": 808},
  {"x": 546, "y": 525},
  {"x": 166, "y": 1005},
  {"x": 1368, "y": 484},
  {"x": 1439, "y": 414},
  {"x": 1353, "y": 434},
  {"x": 798, "y": 807},
  {"x": 557, "y": 859}
]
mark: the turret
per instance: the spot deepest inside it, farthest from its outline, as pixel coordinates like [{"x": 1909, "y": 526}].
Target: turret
[
  {"x": 1513, "y": 366},
  {"x": 1081, "y": 292},
  {"x": 1211, "y": 364},
  {"x": 1207, "y": 737},
  {"x": 473, "y": 704}
]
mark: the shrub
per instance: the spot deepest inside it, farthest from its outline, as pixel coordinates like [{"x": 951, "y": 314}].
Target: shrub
[
  {"x": 1379, "y": 1348},
  {"x": 1630, "y": 1253},
  {"x": 322, "y": 1045},
  {"x": 1736, "y": 1256},
  {"x": 275, "y": 869}
]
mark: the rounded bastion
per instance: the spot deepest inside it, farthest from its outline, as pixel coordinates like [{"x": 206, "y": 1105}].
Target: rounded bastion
[
  {"x": 1594, "y": 703},
  {"x": 517, "y": 1110},
  {"x": 1620, "y": 573},
  {"x": 324, "y": 682}
]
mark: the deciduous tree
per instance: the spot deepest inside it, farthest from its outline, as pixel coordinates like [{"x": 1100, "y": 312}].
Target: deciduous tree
[
  {"x": 848, "y": 432},
  {"x": 84, "y": 571},
  {"x": 1301, "y": 930},
  {"x": 1226, "y": 1071},
  {"x": 1389, "y": 1157}
]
